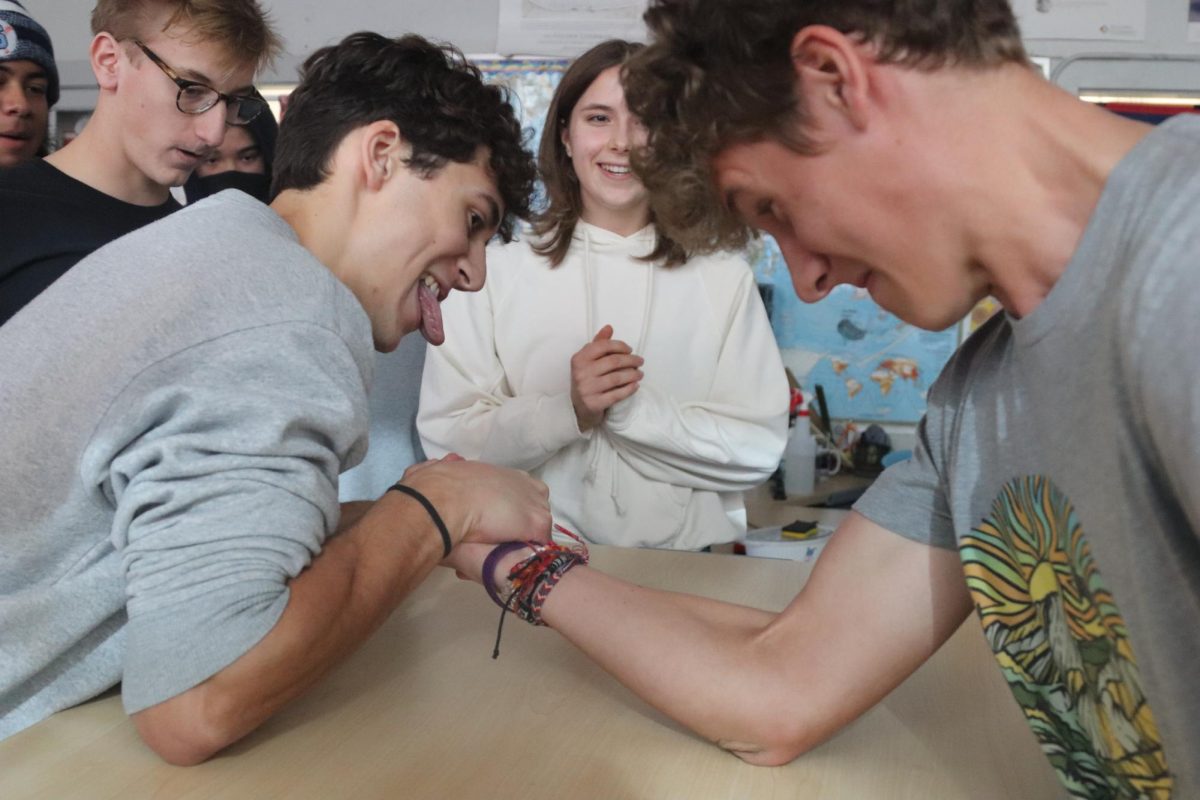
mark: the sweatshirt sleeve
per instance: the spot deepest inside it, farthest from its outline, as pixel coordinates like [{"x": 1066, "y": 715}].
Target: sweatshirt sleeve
[
  {"x": 467, "y": 406},
  {"x": 221, "y": 462},
  {"x": 732, "y": 439}
]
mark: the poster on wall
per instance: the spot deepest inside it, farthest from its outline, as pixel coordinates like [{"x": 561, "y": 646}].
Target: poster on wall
[
  {"x": 871, "y": 365},
  {"x": 1118, "y": 20},
  {"x": 531, "y": 83},
  {"x": 566, "y": 27},
  {"x": 1194, "y": 21}
]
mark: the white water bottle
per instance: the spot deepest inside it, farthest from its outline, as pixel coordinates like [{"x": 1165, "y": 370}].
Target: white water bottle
[{"x": 800, "y": 458}]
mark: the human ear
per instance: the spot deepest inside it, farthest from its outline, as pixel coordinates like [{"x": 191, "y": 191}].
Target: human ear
[
  {"x": 105, "y": 57},
  {"x": 565, "y": 137},
  {"x": 832, "y": 75},
  {"x": 382, "y": 149}
]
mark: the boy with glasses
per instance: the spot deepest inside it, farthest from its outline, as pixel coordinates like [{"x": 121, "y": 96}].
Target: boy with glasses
[
  {"x": 172, "y": 76},
  {"x": 170, "y": 495}
]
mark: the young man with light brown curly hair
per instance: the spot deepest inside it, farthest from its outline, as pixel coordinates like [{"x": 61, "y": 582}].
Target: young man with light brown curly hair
[
  {"x": 172, "y": 75},
  {"x": 908, "y": 148}
]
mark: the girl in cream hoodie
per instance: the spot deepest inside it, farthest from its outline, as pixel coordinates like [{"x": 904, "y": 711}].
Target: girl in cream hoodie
[{"x": 646, "y": 390}]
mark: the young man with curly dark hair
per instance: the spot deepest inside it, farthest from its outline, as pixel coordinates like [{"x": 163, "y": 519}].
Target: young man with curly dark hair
[
  {"x": 908, "y": 148},
  {"x": 179, "y": 409}
]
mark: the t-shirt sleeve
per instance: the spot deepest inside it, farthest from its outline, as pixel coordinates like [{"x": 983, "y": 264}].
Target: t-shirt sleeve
[
  {"x": 221, "y": 462},
  {"x": 909, "y": 498},
  {"x": 1160, "y": 333}
]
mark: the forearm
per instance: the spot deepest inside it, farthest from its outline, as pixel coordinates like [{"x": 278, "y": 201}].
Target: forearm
[
  {"x": 352, "y": 512},
  {"x": 334, "y": 605},
  {"x": 767, "y": 686},
  {"x": 705, "y": 663}
]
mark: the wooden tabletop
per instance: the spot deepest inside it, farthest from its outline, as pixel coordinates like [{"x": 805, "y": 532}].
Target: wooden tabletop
[{"x": 422, "y": 711}]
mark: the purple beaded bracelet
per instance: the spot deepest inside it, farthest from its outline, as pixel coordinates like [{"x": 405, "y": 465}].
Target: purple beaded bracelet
[{"x": 489, "y": 568}]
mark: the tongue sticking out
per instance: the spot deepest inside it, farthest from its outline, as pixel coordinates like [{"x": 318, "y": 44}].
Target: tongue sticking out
[{"x": 431, "y": 316}]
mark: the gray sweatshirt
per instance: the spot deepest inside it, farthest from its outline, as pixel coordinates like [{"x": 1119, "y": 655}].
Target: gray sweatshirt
[{"x": 176, "y": 410}]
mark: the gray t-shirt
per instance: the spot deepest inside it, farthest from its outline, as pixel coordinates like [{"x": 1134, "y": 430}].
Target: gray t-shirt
[
  {"x": 1060, "y": 455},
  {"x": 176, "y": 411}
]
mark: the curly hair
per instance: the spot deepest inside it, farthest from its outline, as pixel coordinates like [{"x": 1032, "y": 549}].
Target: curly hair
[
  {"x": 554, "y": 225},
  {"x": 719, "y": 72},
  {"x": 434, "y": 95}
]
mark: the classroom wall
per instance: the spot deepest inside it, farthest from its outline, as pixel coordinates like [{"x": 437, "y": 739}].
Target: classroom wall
[
  {"x": 471, "y": 24},
  {"x": 1165, "y": 60}
]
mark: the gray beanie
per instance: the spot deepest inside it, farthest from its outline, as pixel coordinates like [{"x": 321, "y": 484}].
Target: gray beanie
[{"x": 23, "y": 39}]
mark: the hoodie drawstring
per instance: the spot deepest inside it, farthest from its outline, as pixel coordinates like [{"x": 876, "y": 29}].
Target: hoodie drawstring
[{"x": 597, "y": 450}]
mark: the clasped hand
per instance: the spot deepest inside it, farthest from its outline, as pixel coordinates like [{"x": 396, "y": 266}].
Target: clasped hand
[{"x": 603, "y": 372}]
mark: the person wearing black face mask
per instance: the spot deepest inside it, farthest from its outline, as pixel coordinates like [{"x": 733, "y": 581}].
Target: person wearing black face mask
[{"x": 243, "y": 161}]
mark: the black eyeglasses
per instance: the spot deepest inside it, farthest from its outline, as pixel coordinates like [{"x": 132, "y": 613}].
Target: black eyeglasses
[{"x": 196, "y": 98}]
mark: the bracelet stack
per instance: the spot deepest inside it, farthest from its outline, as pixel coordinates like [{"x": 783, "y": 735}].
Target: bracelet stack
[{"x": 533, "y": 578}]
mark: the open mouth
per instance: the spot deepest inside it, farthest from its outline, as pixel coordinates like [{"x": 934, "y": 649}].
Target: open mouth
[
  {"x": 431, "y": 283},
  {"x": 429, "y": 294},
  {"x": 619, "y": 170}
]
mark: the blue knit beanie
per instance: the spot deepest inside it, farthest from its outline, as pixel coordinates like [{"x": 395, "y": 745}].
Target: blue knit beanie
[{"x": 23, "y": 39}]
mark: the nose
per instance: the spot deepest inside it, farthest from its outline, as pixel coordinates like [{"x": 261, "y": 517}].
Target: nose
[
  {"x": 622, "y": 135},
  {"x": 472, "y": 269},
  {"x": 812, "y": 277},
  {"x": 210, "y": 126},
  {"x": 13, "y": 99}
]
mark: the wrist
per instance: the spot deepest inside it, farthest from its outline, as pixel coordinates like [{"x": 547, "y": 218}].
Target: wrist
[
  {"x": 439, "y": 489},
  {"x": 584, "y": 420},
  {"x": 430, "y": 509},
  {"x": 532, "y": 577},
  {"x": 497, "y": 567}
]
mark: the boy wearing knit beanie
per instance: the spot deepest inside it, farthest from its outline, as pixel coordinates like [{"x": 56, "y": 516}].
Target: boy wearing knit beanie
[
  {"x": 28, "y": 84},
  {"x": 172, "y": 75}
]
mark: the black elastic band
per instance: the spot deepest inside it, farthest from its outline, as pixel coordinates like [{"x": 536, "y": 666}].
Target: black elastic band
[{"x": 437, "y": 520}]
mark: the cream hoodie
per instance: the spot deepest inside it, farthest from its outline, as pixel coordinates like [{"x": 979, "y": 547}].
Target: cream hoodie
[{"x": 669, "y": 464}]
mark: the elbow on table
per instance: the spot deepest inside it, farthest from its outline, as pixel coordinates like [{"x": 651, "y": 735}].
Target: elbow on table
[
  {"x": 778, "y": 732},
  {"x": 185, "y": 730},
  {"x": 775, "y": 749},
  {"x": 180, "y": 746}
]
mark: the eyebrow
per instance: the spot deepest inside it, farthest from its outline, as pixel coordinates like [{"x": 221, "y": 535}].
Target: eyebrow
[
  {"x": 597, "y": 107},
  {"x": 199, "y": 77},
  {"x": 37, "y": 73}
]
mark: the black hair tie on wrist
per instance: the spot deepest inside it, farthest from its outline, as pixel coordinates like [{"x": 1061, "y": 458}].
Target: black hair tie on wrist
[{"x": 437, "y": 520}]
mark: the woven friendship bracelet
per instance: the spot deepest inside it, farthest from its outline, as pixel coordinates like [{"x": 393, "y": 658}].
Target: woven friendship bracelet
[
  {"x": 447, "y": 545},
  {"x": 530, "y": 606},
  {"x": 533, "y": 578}
]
